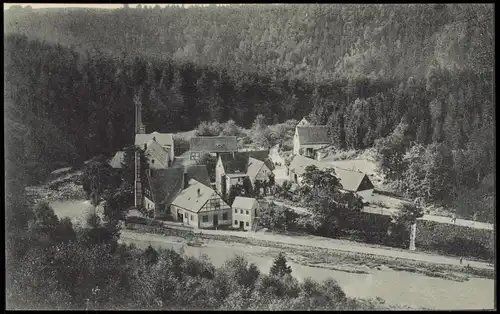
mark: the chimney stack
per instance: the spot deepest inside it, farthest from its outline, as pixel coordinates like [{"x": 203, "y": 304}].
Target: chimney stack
[
  {"x": 199, "y": 193},
  {"x": 138, "y": 185}
]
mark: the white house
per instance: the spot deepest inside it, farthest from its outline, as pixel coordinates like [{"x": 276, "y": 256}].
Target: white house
[
  {"x": 244, "y": 212},
  {"x": 156, "y": 156},
  {"x": 258, "y": 170},
  {"x": 163, "y": 186},
  {"x": 163, "y": 140},
  {"x": 234, "y": 169},
  {"x": 308, "y": 139}
]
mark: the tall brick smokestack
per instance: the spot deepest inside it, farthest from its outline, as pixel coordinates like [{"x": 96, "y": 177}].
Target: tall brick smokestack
[
  {"x": 139, "y": 127},
  {"x": 138, "y": 184}
]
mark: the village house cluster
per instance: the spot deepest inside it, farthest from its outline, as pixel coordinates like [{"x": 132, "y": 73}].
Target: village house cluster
[{"x": 179, "y": 189}]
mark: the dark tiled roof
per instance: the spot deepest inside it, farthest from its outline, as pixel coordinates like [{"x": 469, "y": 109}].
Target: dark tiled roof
[
  {"x": 238, "y": 164},
  {"x": 165, "y": 184},
  {"x": 311, "y": 135},
  {"x": 261, "y": 155},
  {"x": 213, "y": 144},
  {"x": 240, "y": 161}
]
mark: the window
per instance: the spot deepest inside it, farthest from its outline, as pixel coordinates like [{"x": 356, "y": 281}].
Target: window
[
  {"x": 236, "y": 222},
  {"x": 205, "y": 218},
  {"x": 235, "y": 211},
  {"x": 152, "y": 161},
  {"x": 192, "y": 217},
  {"x": 247, "y": 212},
  {"x": 224, "y": 216},
  {"x": 241, "y": 211},
  {"x": 247, "y": 224}
]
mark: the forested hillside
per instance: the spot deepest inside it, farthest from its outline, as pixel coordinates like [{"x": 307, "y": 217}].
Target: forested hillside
[
  {"x": 362, "y": 70},
  {"x": 306, "y": 41}
]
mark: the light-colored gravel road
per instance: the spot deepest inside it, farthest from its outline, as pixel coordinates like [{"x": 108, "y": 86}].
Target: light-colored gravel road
[
  {"x": 348, "y": 246},
  {"x": 77, "y": 209},
  {"x": 395, "y": 287}
]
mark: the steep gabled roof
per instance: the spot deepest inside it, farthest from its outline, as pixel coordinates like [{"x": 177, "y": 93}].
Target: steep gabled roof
[
  {"x": 155, "y": 150},
  {"x": 254, "y": 167},
  {"x": 244, "y": 202},
  {"x": 350, "y": 180},
  {"x": 236, "y": 164},
  {"x": 198, "y": 173},
  {"x": 261, "y": 155},
  {"x": 117, "y": 160},
  {"x": 164, "y": 139},
  {"x": 361, "y": 165},
  {"x": 312, "y": 135},
  {"x": 299, "y": 163},
  {"x": 189, "y": 198},
  {"x": 213, "y": 144},
  {"x": 241, "y": 161},
  {"x": 165, "y": 184}
]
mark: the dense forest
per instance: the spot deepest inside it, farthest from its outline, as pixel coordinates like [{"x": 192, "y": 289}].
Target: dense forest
[
  {"x": 313, "y": 42},
  {"x": 397, "y": 76}
]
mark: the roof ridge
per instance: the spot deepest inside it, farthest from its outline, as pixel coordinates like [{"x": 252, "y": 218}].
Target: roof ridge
[
  {"x": 213, "y": 136},
  {"x": 312, "y": 126},
  {"x": 156, "y": 155}
]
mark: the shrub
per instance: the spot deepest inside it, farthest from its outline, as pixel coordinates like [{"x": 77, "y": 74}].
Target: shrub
[
  {"x": 279, "y": 267},
  {"x": 206, "y": 128}
]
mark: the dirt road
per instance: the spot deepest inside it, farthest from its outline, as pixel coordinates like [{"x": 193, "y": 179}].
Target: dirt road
[
  {"x": 77, "y": 209},
  {"x": 348, "y": 246},
  {"x": 406, "y": 288}
]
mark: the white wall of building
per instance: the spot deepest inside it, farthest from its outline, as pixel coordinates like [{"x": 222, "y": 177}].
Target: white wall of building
[{"x": 243, "y": 215}]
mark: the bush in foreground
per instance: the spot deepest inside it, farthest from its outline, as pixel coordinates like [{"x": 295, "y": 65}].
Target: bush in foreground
[{"x": 88, "y": 269}]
